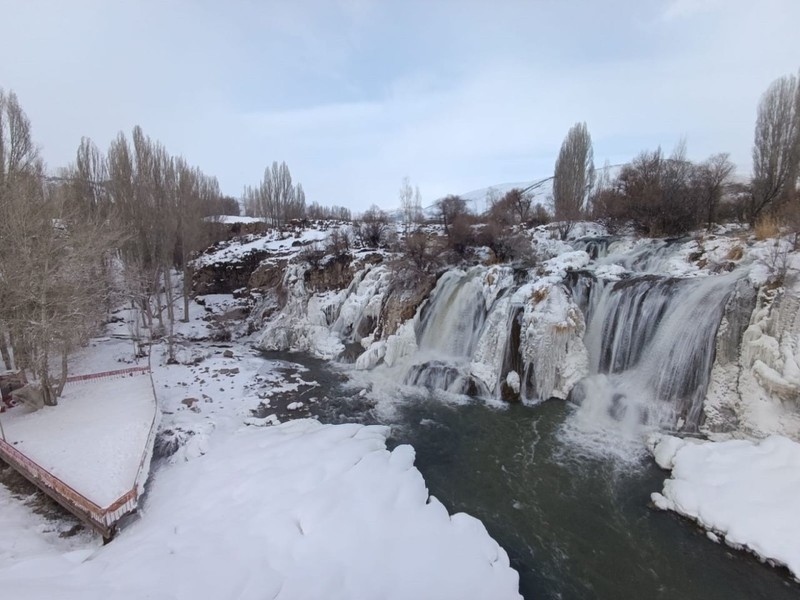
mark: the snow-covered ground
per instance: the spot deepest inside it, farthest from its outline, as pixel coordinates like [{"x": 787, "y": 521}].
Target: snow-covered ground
[
  {"x": 301, "y": 510},
  {"x": 743, "y": 491},
  {"x": 250, "y": 508},
  {"x": 96, "y": 437},
  {"x": 233, "y": 219},
  {"x": 274, "y": 241}
]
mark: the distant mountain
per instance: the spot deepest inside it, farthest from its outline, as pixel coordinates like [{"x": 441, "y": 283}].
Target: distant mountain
[{"x": 478, "y": 200}]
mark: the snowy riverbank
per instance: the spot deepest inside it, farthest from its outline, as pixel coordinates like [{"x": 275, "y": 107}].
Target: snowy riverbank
[
  {"x": 298, "y": 510},
  {"x": 301, "y": 510},
  {"x": 741, "y": 491}
]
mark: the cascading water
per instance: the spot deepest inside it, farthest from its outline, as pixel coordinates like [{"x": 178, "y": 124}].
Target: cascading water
[
  {"x": 651, "y": 343},
  {"x": 452, "y": 323},
  {"x": 652, "y": 256},
  {"x": 447, "y": 332},
  {"x": 633, "y": 351},
  {"x": 595, "y": 247}
]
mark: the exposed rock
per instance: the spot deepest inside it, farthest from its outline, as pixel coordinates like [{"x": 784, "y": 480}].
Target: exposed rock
[
  {"x": 402, "y": 301},
  {"x": 227, "y": 276},
  {"x": 268, "y": 275},
  {"x": 334, "y": 274}
]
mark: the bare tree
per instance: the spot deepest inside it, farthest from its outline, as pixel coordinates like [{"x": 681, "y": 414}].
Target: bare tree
[
  {"x": 710, "y": 179},
  {"x": 20, "y": 172},
  {"x": 52, "y": 260},
  {"x": 374, "y": 227},
  {"x": 573, "y": 178},
  {"x": 450, "y": 208},
  {"x": 776, "y": 149},
  {"x": 417, "y": 214},
  {"x": 331, "y": 213},
  {"x": 407, "y": 203},
  {"x": 275, "y": 198},
  {"x": 513, "y": 208}
]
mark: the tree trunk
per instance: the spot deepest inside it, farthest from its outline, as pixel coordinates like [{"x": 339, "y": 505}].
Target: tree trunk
[
  {"x": 170, "y": 314},
  {"x": 44, "y": 378},
  {"x": 146, "y": 313},
  {"x": 62, "y": 381},
  {"x": 186, "y": 290},
  {"x": 159, "y": 309},
  {"x": 5, "y": 352}
]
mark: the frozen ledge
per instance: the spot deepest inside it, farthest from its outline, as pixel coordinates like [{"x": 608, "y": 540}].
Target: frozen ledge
[{"x": 743, "y": 491}]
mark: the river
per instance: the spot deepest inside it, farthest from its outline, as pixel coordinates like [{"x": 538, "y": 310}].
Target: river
[{"x": 575, "y": 526}]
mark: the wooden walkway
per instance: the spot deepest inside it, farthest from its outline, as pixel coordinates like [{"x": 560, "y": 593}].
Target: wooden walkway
[{"x": 102, "y": 519}]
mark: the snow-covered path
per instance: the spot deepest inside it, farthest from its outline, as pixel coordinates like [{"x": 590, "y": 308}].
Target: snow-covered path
[{"x": 301, "y": 510}]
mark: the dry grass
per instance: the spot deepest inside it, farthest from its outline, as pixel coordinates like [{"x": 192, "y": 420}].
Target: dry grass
[
  {"x": 735, "y": 253},
  {"x": 767, "y": 226},
  {"x": 539, "y": 294}
]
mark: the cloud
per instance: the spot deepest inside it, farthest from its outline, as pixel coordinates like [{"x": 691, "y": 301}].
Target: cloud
[{"x": 356, "y": 94}]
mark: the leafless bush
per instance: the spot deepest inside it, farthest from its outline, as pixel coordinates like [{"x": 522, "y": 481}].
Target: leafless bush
[
  {"x": 460, "y": 236},
  {"x": 313, "y": 255},
  {"x": 506, "y": 244},
  {"x": 422, "y": 251},
  {"x": 662, "y": 195},
  {"x": 515, "y": 207},
  {"x": 373, "y": 228},
  {"x": 339, "y": 242},
  {"x": 777, "y": 261}
]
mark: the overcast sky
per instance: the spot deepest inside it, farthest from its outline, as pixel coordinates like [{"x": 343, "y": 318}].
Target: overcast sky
[{"x": 356, "y": 94}]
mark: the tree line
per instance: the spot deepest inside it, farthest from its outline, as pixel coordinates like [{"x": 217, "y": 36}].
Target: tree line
[
  {"x": 663, "y": 194},
  {"x": 114, "y": 226}
]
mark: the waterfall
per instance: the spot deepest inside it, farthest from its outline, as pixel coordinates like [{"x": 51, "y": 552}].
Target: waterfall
[
  {"x": 651, "y": 344},
  {"x": 650, "y": 256},
  {"x": 451, "y": 323},
  {"x": 447, "y": 331},
  {"x": 595, "y": 247},
  {"x": 451, "y": 332}
]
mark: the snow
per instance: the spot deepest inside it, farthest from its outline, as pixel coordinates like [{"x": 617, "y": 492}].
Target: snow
[
  {"x": 248, "y": 507},
  {"x": 286, "y": 243},
  {"x": 26, "y": 535},
  {"x": 94, "y": 440},
  {"x": 299, "y": 510},
  {"x": 233, "y": 219},
  {"x": 743, "y": 491}
]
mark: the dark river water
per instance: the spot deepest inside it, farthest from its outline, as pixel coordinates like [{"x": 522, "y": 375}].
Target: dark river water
[{"x": 574, "y": 526}]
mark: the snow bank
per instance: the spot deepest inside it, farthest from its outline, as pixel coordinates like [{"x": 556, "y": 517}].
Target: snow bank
[
  {"x": 301, "y": 510},
  {"x": 745, "y": 491}
]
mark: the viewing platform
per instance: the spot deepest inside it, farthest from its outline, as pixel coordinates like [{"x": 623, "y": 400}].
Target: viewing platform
[{"x": 92, "y": 452}]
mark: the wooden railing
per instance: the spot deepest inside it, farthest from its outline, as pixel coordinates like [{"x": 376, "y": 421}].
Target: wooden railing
[
  {"x": 102, "y": 519},
  {"x": 108, "y": 374}
]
